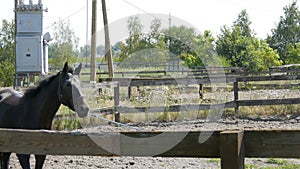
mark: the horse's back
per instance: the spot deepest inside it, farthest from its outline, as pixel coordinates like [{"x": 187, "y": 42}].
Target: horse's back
[
  {"x": 9, "y": 106},
  {"x": 10, "y": 97}
]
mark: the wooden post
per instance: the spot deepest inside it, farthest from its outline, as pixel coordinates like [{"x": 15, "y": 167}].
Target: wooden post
[
  {"x": 236, "y": 95},
  {"x": 117, "y": 103},
  {"x": 129, "y": 92},
  {"x": 232, "y": 149},
  {"x": 94, "y": 40},
  {"x": 108, "y": 54},
  {"x": 201, "y": 91}
]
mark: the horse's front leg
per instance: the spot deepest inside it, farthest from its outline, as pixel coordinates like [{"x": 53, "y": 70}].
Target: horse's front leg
[
  {"x": 24, "y": 160},
  {"x": 4, "y": 159},
  {"x": 39, "y": 161}
]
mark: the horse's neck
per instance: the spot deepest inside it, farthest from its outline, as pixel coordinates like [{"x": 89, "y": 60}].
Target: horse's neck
[{"x": 49, "y": 104}]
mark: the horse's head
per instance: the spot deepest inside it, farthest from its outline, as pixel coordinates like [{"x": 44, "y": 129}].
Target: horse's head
[{"x": 69, "y": 91}]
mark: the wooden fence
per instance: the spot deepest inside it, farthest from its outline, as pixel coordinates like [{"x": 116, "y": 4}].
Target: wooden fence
[
  {"x": 231, "y": 146},
  {"x": 234, "y": 80}
]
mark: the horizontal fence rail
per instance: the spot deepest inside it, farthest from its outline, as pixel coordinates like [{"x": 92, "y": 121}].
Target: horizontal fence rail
[
  {"x": 116, "y": 83},
  {"x": 231, "y": 146},
  {"x": 213, "y": 79},
  {"x": 195, "y": 107}
]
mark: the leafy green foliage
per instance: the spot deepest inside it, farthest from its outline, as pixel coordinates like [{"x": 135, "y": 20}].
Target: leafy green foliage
[
  {"x": 235, "y": 46},
  {"x": 64, "y": 47},
  {"x": 143, "y": 47},
  {"x": 180, "y": 39},
  {"x": 203, "y": 52},
  {"x": 240, "y": 47},
  {"x": 286, "y": 35},
  {"x": 293, "y": 54},
  {"x": 160, "y": 45},
  {"x": 7, "y": 53}
]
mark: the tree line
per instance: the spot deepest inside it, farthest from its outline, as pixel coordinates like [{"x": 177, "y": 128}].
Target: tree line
[{"x": 236, "y": 45}]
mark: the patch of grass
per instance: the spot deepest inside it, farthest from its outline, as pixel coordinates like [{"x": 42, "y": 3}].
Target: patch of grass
[
  {"x": 288, "y": 166},
  {"x": 280, "y": 164},
  {"x": 295, "y": 87},
  {"x": 275, "y": 110},
  {"x": 214, "y": 160},
  {"x": 276, "y": 161},
  {"x": 65, "y": 122},
  {"x": 250, "y": 166}
]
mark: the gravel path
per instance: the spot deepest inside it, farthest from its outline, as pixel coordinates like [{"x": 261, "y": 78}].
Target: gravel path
[{"x": 91, "y": 162}]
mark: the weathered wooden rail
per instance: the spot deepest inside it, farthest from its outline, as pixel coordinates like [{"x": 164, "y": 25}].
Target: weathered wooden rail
[
  {"x": 231, "y": 146},
  {"x": 204, "y": 71},
  {"x": 293, "y": 69},
  {"x": 116, "y": 83}
]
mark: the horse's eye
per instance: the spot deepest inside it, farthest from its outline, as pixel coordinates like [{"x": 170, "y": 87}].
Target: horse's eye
[{"x": 68, "y": 84}]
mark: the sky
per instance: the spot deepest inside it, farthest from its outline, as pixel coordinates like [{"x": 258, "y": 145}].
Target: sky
[{"x": 201, "y": 14}]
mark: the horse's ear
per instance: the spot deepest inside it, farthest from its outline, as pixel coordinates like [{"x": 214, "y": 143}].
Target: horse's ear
[
  {"x": 78, "y": 69},
  {"x": 66, "y": 67}
]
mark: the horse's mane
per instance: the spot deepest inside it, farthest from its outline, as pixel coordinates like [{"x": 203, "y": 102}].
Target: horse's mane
[{"x": 33, "y": 91}]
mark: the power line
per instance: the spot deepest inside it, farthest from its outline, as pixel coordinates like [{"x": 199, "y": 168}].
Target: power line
[
  {"x": 137, "y": 7},
  {"x": 144, "y": 11},
  {"x": 74, "y": 13}
]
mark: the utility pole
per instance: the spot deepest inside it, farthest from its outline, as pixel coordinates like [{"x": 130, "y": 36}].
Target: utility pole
[
  {"x": 170, "y": 20},
  {"x": 94, "y": 40},
  {"x": 87, "y": 32},
  {"x": 16, "y": 23},
  {"x": 108, "y": 54}
]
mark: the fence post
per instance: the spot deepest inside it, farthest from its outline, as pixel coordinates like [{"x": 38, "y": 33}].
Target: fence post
[
  {"x": 129, "y": 92},
  {"x": 236, "y": 96},
  {"x": 117, "y": 102},
  {"x": 201, "y": 92},
  {"x": 232, "y": 149}
]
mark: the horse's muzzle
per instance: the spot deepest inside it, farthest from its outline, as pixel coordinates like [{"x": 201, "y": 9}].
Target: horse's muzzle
[{"x": 81, "y": 107}]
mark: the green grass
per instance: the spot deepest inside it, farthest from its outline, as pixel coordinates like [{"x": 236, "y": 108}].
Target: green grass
[
  {"x": 214, "y": 160},
  {"x": 277, "y": 161},
  {"x": 66, "y": 123},
  {"x": 272, "y": 163},
  {"x": 250, "y": 166},
  {"x": 288, "y": 166}
]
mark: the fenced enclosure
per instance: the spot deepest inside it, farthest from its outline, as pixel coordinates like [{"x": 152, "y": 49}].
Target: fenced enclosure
[
  {"x": 232, "y": 77},
  {"x": 231, "y": 146}
]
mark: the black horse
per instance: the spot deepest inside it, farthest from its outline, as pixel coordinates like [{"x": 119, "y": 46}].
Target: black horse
[{"x": 37, "y": 107}]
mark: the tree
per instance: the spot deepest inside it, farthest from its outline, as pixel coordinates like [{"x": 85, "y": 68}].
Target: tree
[
  {"x": 179, "y": 40},
  {"x": 85, "y": 51},
  {"x": 259, "y": 56},
  {"x": 243, "y": 22},
  {"x": 286, "y": 35},
  {"x": 7, "y": 53},
  {"x": 231, "y": 44},
  {"x": 240, "y": 47},
  {"x": 293, "y": 54},
  {"x": 135, "y": 29},
  {"x": 64, "y": 47},
  {"x": 143, "y": 47},
  {"x": 203, "y": 51},
  {"x": 116, "y": 49}
]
